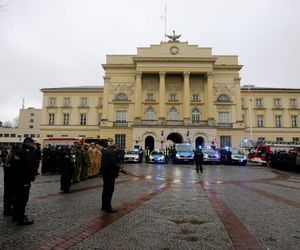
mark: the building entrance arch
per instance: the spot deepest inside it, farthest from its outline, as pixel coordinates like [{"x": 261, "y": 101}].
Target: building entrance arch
[
  {"x": 199, "y": 142},
  {"x": 149, "y": 142},
  {"x": 175, "y": 138}
]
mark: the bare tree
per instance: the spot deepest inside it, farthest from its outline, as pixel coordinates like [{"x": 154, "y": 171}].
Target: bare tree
[{"x": 7, "y": 124}]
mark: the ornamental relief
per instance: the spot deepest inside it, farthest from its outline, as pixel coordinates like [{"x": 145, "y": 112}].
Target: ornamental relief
[
  {"x": 174, "y": 86},
  {"x": 151, "y": 86},
  {"x": 121, "y": 88},
  {"x": 224, "y": 88},
  {"x": 196, "y": 87},
  {"x": 121, "y": 106}
]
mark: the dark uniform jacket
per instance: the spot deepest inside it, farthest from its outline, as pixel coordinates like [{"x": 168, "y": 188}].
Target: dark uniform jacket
[
  {"x": 24, "y": 171},
  {"x": 110, "y": 166}
]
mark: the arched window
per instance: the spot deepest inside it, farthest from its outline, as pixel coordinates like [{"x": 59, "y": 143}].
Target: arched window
[
  {"x": 223, "y": 98},
  {"x": 195, "y": 116},
  {"x": 172, "y": 114},
  {"x": 150, "y": 114},
  {"x": 121, "y": 97}
]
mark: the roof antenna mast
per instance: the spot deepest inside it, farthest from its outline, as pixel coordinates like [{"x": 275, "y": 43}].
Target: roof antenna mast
[{"x": 164, "y": 17}]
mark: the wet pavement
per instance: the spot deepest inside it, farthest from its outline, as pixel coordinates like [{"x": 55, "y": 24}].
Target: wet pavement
[{"x": 164, "y": 207}]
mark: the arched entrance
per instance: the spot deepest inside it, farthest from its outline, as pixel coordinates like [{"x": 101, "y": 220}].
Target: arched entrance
[
  {"x": 200, "y": 142},
  {"x": 175, "y": 138},
  {"x": 149, "y": 142}
]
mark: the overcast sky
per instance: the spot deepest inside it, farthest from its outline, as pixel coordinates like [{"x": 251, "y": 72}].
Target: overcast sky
[{"x": 58, "y": 43}]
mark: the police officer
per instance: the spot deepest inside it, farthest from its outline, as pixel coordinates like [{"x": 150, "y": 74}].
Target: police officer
[
  {"x": 67, "y": 170},
  {"x": 8, "y": 167},
  {"x": 110, "y": 171},
  {"x": 198, "y": 159},
  {"x": 24, "y": 174}
]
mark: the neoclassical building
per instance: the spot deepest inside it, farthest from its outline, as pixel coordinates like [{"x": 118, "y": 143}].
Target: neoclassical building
[{"x": 170, "y": 93}]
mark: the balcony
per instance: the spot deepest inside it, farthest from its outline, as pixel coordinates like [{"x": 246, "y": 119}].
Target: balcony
[
  {"x": 149, "y": 122},
  {"x": 199, "y": 123},
  {"x": 174, "y": 122},
  {"x": 120, "y": 124},
  {"x": 225, "y": 125}
]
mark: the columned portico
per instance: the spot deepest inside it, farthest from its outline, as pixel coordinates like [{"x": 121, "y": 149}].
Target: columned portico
[
  {"x": 162, "y": 89},
  {"x": 138, "y": 97},
  {"x": 186, "y": 97},
  {"x": 210, "y": 99}
]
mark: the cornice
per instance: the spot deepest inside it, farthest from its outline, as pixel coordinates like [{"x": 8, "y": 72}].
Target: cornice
[
  {"x": 227, "y": 67},
  {"x": 118, "y": 66},
  {"x": 267, "y": 90},
  {"x": 176, "y": 59},
  {"x": 68, "y": 89}
]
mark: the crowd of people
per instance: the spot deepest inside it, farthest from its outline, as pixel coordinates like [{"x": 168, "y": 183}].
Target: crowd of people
[
  {"x": 282, "y": 159},
  {"x": 74, "y": 163}
]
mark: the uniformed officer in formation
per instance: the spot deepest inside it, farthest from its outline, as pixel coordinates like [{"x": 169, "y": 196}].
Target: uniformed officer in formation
[{"x": 198, "y": 159}]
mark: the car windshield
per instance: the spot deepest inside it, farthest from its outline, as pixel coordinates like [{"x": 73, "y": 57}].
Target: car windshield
[
  {"x": 236, "y": 151},
  {"x": 209, "y": 151},
  {"x": 131, "y": 152},
  {"x": 156, "y": 153}
]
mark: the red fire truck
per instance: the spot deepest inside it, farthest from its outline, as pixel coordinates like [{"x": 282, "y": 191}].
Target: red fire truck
[{"x": 258, "y": 153}]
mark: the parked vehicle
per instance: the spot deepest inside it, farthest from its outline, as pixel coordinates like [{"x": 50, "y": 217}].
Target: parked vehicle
[
  {"x": 131, "y": 156},
  {"x": 238, "y": 157},
  {"x": 184, "y": 153},
  {"x": 210, "y": 156},
  {"x": 157, "y": 157}
]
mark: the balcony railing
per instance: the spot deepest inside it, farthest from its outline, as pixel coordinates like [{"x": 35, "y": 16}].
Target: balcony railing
[
  {"x": 225, "y": 125},
  {"x": 120, "y": 124}
]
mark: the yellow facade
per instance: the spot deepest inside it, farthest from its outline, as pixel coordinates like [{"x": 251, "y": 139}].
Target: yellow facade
[{"x": 170, "y": 92}]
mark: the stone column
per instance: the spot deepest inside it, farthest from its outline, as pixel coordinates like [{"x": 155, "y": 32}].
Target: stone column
[
  {"x": 186, "y": 98},
  {"x": 238, "y": 99},
  {"x": 210, "y": 99},
  {"x": 138, "y": 98},
  {"x": 105, "y": 98},
  {"x": 162, "y": 102}
]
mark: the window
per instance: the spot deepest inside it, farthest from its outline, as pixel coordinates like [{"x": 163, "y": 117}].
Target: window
[
  {"x": 259, "y": 102},
  {"x": 31, "y": 114},
  {"x": 172, "y": 114},
  {"x": 225, "y": 141},
  {"x": 172, "y": 97},
  {"x": 195, "y": 116},
  {"x": 295, "y": 139},
  {"x": 51, "y": 119},
  {"x": 223, "y": 117},
  {"x": 6, "y": 135},
  {"x": 277, "y": 121},
  {"x": 1, "y": 135},
  {"x": 120, "y": 140},
  {"x": 66, "y": 119},
  {"x": 26, "y": 135},
  {"x": 260, "y": 121},
  {"x": 30, "y": 126},
  {"x": 31, "y": 120},
  {"x": 261, "y": 139},
  {"x": 83, "y": 101},
  {"x": 293, "y": 102},
  {"x": 49, "y": 136},
  {"x": 82, "y": 119},
  {"x": 52, "y": 101},
  {"x": 38, "y": 135},
  {"x": 150, "y": 97},
  {"x": 12, "y": 135},
  {"x": 150, "y": 115},
  {"x": 277, "y": 102},
  {"x": 294, "y": 120},
  {"x": 32, "y": 135},
  {"x": 195, "y": 98},
  {"x": 67, "y": 101},
  {"x": 279, "y": 138},
  {"x": 223, "y": 98},
  {"x": 121, "y": 97},
  {"x": 121, "y": 116}
]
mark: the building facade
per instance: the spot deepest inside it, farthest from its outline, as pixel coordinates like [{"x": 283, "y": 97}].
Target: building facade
[
  {"x": 168, "y": 93},
  {"x": 29, "y": 125}
]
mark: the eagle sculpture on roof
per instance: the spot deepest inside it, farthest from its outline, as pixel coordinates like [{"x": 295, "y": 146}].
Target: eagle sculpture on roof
[{"x": 174, "y": 37}]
